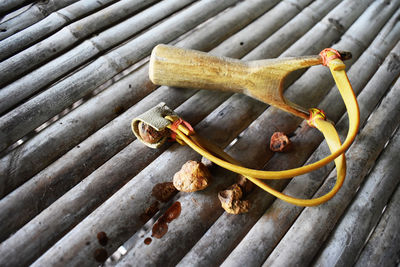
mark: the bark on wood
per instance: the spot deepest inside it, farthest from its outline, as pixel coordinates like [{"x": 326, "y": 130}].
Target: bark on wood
[
  {"x": 16, "y": 124},
  {"x": 35, "y": 55},
  {"x": 382, "y": 248},
  {"x": 47, "y": 74},
  {"x": 34, "y": 14},
  {"x": 48, "y": 25},
  {"x": 303, "y": 240},
  {"x": 350, "y": 235}
]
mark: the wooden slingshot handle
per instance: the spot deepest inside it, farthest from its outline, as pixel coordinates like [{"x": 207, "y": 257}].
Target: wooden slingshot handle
[{"x": 261, "y": 79}]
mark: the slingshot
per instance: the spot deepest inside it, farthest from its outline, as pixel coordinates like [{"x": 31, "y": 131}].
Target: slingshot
[{"x": 263, "y": 80}]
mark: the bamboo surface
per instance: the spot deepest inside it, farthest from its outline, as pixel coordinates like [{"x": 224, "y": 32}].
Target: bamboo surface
[
  {"x": 21, "y": 63},
  {"x": 83, "y": 172},
  {"x": 33, "y": 14},
  {"x": 305, "y": 186},
  {"x": 63, "y": 94},
  {"x": 36, "y": 153},
  {"x": 48, "y": 25},
  {"x": 379, "y": 249},
  {"x": 17, "y": 91},
  {"x": 222, "y": 231},
  {"x": 367, "y": 208}
]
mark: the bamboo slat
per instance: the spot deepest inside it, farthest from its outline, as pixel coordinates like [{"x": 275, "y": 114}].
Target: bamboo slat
[
  {"x": 381, "y": 249},
  {"x": 367, "y": 208},
  {"x": 141, "y": 188},
  {"x": 21, "y": 63},
  {"x": 85, "y": 172},
  {"x": 222, "y": 237},
  {"x": 293, "y": 30},
  {"x": 87, "y": 50},
  {"x": 238, "y": 42},
  {"x": 40, "y": 150},
  {"x": 35, "y": 13},
  {"x": 304, "y": 238},
  {"x": 8, "y": 5},
  {"x": 48, "y": 25},
  {"x": 156, "y": 249},
  {"x": 15, "y": 124},
  {"x": 34, "y": 182},
  {"x": 281, "y": 215}
]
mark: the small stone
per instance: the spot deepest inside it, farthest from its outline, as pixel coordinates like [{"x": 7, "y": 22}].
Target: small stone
[
  {"x": 149, "y": 134},
  {"x": 193, "y": 176},
  {"x": 280, "y": 142},
  {"x": 231, "y": 200}
]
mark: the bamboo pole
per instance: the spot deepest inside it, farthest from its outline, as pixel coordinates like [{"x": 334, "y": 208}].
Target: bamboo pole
[
  {"x": 21, "y": 63},
  {"x": 366, "y": 208},
  {"x": 48, "y": 25},
  {"x": 281, "y": 215},
  {"x": 305, "y": 237},
  {"x": 34, "y": 14},
  {"x": 14, "y": 124},
  {"x": 50, "y": 72},
  {"x": 105, "y": 225},
  {"x": 377, "y": 251},
  {"x": 68, "y": 169}
]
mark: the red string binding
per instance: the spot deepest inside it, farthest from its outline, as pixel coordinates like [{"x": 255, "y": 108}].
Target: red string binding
[
  {"x": 175, "y": 125},
  {"x": 325, "y": 59}
]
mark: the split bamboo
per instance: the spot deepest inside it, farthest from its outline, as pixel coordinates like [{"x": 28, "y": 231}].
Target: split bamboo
[
  {"x": 21, "y": 63},
  {"x": 366, "y": 208},
  {"x": 35, "y": 13},
  {"x": 39, "y": 109},
  {"x": 87, "y": 50},
  {"x": 377, "y": 251},
  {"x": 48, "y": 25}
]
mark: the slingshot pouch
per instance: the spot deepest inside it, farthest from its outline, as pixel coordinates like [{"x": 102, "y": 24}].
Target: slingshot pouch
[{"x": 154, "y": 117}]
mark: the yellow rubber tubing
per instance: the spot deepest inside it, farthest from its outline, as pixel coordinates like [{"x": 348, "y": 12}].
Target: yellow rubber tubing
[{"x": 351, "y": 104}]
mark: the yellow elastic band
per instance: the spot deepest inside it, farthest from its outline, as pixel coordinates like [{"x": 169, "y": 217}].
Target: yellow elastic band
[{"x": 222, "y": 159}]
